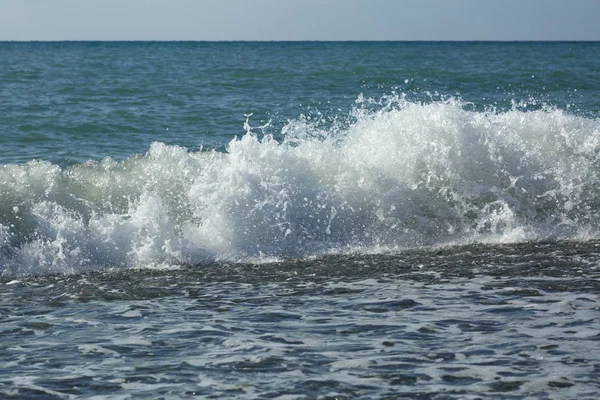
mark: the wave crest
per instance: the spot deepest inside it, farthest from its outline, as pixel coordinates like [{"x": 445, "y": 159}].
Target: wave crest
[{"x": 401, "y": 175}]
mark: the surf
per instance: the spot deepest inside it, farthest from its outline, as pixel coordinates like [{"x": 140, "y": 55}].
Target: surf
[{"x": 392, "y": 174}]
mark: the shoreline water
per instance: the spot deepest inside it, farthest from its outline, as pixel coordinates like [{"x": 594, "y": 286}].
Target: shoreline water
[{"x": 469, "y": 322}]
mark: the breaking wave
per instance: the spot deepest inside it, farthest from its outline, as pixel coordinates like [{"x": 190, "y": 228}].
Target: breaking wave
[{"x": 401, "y": 175}]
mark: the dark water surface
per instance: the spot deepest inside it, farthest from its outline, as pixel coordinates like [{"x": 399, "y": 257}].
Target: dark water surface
[{"x": 479, "y": 321}]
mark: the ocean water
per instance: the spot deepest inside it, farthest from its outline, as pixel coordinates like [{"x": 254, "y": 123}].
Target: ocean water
[{"x": 300, "y": 220}]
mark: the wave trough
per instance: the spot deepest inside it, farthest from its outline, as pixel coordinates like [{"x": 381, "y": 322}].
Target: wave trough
[{"x": 403, "y": 175}]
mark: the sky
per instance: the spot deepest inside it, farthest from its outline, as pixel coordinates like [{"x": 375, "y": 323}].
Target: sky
[{"x": 299, "y": 20}]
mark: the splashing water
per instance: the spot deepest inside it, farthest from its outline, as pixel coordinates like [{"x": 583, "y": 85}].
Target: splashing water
[{"x": 399, "y": 175}]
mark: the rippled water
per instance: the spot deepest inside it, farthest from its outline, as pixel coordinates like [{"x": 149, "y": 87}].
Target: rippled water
[{"x": 504, "y": 321}]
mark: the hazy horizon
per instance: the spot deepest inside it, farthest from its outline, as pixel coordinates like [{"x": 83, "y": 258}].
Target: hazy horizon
[
  {"x": 298, "y": 40},
  {"x": 299, "y": 20}
]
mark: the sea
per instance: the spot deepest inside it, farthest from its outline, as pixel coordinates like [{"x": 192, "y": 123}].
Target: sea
[{"x": 300, "y": 220}]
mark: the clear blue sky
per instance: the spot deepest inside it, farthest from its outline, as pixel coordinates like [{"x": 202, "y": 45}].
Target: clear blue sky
[{"x": 299, "y": 19}]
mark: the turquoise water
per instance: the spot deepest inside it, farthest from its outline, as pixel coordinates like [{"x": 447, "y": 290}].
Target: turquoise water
[
  {"x": 299, "y": 220},
  {"x": 71, "y": 102}
]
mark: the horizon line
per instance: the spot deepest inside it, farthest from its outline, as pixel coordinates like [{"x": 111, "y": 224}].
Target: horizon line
[{"x": 297, "y": 40}]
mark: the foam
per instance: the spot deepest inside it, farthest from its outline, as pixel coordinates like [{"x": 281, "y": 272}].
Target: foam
[{"x": 395, "y": 175}]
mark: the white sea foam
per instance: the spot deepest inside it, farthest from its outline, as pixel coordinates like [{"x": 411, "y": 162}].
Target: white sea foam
[{"x": 398, "y": 175}]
